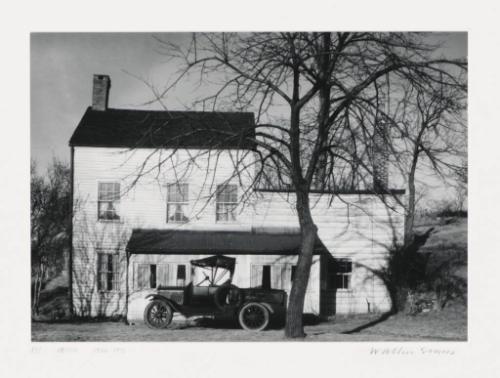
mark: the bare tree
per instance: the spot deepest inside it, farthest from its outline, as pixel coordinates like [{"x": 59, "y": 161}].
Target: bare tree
[
  {"x": 430, "y": 135},
  {"x": 329, "y": 85},
  {"x": 50, "y": 225},
  {"x": 461, "y": 175}
]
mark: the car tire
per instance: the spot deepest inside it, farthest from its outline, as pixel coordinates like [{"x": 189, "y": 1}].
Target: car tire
[
  {"x": 253, "y": 316},
  {"x": 158, "y": 314}
]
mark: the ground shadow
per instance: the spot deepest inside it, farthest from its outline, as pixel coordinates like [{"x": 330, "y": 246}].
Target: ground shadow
[
  {"x": 232, "y": 322},
  {"x": 371, "y": 323}
]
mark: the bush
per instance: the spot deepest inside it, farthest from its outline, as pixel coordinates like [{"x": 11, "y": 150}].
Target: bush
[
  {"x": 419, "y": 281},
  {"x": 405, "y": 272},
  {"x": 446, "y": 208},
  {"x": 444, "y": 280}
]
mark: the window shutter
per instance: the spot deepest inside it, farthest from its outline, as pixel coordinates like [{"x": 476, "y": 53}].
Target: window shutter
[
  {"x": 116, "y": 272},
  {"x": 286, "y": 277},
  {"x": 255, "y": 275},
  {"x": 163, "y": 275},
  {"x": 102, "y": 269},
  {"x": 103, "y": 262},
  {"x": 277, "y": 275},
  {"x": 142, "y": 276}
]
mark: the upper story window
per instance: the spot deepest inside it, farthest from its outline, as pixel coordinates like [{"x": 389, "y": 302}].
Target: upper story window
[
  {"x": 177, "y": 202},
  {"x": 227, "y": 201},
  {"x": 108, "y": 200}
]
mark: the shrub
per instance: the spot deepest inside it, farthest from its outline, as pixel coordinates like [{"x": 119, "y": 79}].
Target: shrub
[
  {"x": 416, "y": 282},
  {"x": 405, "y": 271},
  {"x": 446, "y": 208}
]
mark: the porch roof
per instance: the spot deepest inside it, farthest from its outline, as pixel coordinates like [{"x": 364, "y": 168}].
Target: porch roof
[{"x": 190, "y": 242}]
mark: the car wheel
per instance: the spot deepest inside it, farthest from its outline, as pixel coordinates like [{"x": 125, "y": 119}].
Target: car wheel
[
  {"x": 253, "y": 317},
  {"x": 158, "y": 314}
]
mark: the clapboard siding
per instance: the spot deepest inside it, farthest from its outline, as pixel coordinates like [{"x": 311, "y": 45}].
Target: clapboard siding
[{"x": 360, "y": 227}]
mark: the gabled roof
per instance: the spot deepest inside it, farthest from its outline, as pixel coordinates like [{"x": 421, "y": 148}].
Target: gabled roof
[
  {"x": 189, "y": 242},
  {"x": 167, "y": 129}
]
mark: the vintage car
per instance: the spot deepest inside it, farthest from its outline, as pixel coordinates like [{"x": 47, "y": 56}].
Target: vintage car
[{"x": 253, "y": 307}]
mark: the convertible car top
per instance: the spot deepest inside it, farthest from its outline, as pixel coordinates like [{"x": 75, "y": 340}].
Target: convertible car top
[{"x": 218, "y": 261}]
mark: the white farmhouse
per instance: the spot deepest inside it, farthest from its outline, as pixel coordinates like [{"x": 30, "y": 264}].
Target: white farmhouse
[{"x": 153, "y": 190}]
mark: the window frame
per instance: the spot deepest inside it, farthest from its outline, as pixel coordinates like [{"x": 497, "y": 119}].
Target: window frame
[
  {"x": 184, "y": 204},
  {"x": 231, "y": 214},
  {"x": 266, "y": 281},
  {"x": 112, "y": 258},
  {"x": 115, "y": 202},
  {"x": 153, "y": 276},
  {"x": 344, "y": 276},
  {"x": 155, "y": 272},
  {"x": 151, "y": 271},
  {"x": 178, "y": 270}
]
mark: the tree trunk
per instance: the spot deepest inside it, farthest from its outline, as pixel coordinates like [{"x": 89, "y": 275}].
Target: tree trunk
[
  {"x": 410, "y": 215},
  {"x": 37, "y": 289},
  {"x": 34, "y": 298},
  {"x": 294, "y": 327},
  {"x": 410, "y": 211}
]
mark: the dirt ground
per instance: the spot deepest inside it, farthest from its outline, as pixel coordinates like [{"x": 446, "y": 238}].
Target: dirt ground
[{"x": 447, "y": 325}]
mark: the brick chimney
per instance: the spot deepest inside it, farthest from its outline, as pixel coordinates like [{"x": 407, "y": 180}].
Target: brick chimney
[
  {"x": 100, "y": 92},
  {"x": 380, "y": 155}
]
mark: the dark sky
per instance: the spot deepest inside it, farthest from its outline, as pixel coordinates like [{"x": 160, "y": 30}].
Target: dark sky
[{"x": 62, "y": 65}]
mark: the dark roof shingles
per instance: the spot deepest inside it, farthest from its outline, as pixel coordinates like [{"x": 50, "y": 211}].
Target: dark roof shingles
[{"x": 165, "y": 129}]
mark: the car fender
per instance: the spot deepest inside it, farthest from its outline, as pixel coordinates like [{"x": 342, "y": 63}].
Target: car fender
[
  {"x": 172, "y": 304},
  {"x": 268, "y": 306}
]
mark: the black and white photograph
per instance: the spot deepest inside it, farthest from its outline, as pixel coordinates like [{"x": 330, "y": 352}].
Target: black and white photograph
[
  {"x": 249, "y": 186},
  {"x": 249, "y": 189}
]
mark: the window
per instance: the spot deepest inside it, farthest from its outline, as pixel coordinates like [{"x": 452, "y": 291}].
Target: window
[
  {"x": 107, "y": 272},
  {"x": 343, "y": 274},
  {"x": 108, "y": 200},
  {"x": 146, "y": 276},
  {"x": 339, "y": 275},
  {"x": 177, "y": 201},
  {"x": 151, "y": 276},
  {"x": 266, "y": 277},
  {"x": 227, "y": 200},
  {"x": 181, "y": 275}
]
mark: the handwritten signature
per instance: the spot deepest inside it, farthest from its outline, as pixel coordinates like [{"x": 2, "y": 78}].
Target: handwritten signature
[{"x": 406, "y": 351}]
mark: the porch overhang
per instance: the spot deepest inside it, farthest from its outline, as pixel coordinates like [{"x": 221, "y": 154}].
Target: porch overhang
[{"x": 191, "y": 242}]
